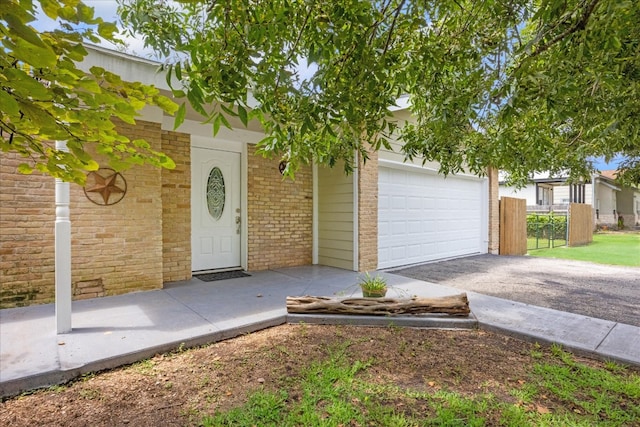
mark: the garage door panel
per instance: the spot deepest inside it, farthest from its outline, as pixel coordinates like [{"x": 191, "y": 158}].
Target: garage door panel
[
  {"x": 414, "y": 227},
  {"x": 414, "y": 203},
  {"x": 398, "y": 203},
  {"x": 398, "y": 228},
  {"x": 423, "y": 217}
]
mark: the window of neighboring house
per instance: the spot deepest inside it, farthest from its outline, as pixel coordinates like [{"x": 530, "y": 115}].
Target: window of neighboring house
[{"x": 545, "y": 195}]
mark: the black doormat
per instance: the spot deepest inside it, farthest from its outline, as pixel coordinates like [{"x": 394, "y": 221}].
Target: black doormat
[{"x": 223, "y": 275}]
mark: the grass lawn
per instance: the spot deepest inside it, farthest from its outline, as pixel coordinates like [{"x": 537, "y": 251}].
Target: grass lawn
[
  {"x": 336, "y": 392},
  {"x": 607, "y": 248},
  {"x": 330, "y": 376},
  {"x": 533, "y": 243}
]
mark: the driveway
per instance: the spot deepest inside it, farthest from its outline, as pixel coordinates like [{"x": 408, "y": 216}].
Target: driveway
[{"x": 594, "y": 290}]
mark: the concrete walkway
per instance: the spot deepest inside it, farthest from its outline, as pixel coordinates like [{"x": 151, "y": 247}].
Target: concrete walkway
[{"x": 112, "y": 331}]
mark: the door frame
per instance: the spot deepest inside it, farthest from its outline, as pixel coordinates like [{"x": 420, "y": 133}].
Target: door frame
[{"x": 240, "y": 147}]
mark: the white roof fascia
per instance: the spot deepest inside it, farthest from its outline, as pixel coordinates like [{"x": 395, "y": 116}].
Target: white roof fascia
[
  {"x": 130, "y": 68},
  {"x": 606, "y": 184},
  {"x": 402, "y": 103}
]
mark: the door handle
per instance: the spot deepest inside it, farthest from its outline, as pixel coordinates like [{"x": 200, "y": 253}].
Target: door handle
[{"x": 238, "y": 223}]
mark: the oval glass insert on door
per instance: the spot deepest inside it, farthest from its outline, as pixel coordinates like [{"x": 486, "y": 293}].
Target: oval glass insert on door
[{"x": 215, "y": 193}]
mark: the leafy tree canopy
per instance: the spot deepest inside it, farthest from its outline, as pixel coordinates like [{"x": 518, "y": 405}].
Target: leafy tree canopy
[
  {"x": 44, "y": 96},
  {"x": 521, "y": 85}
]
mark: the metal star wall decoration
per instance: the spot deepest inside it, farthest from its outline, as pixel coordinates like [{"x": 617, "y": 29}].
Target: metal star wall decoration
[{"x": 105, "y": 187}]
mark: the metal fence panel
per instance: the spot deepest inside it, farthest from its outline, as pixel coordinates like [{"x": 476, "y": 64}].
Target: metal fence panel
[{"x": 547, "y": 230}]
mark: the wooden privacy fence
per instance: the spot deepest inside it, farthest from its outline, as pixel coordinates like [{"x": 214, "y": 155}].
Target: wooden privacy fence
[
  {"x": 513, "y": 226},
  {"x": 580, "y": 224}
]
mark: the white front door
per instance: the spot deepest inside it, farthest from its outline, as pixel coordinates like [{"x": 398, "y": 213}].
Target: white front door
[{"x": 215, "y": 209}]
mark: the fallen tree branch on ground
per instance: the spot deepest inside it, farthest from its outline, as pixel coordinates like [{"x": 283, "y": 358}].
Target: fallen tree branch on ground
[{"x": 456, "y": 305}]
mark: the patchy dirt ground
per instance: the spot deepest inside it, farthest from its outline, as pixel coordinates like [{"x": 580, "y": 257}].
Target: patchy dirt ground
[{"x": 179, "y": 388}]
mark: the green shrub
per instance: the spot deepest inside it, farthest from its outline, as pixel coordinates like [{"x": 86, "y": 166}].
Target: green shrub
[{"x": 547, "y": 226}]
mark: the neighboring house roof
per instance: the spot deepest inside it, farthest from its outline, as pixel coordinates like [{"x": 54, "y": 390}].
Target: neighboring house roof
[{"x": 611, "y": 174}]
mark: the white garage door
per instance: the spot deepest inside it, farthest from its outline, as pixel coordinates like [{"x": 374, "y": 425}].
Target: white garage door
[{"x": 423, "y": 216}]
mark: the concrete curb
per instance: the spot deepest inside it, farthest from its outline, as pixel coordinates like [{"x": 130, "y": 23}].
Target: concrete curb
[{"x": 258, "y": 322}]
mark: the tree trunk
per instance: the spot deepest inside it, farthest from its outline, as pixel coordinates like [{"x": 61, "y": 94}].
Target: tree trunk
[{"x": 456, "y": 305}]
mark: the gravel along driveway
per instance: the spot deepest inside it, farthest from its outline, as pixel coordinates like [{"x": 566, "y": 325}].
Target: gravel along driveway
[{"x": 601, "y": 291}]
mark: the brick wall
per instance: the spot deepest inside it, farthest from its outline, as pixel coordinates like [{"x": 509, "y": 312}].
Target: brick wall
[
  {"x": 176, "y": 208},
  {"x": 119, "y": 247},
  {"x": 27, "y": 215},
  {"x": 368, "y": 213},
  {"x": 115, "y": 249},
  {"x": 494, "y": 212},
  {"x": 280, "y": 216}
]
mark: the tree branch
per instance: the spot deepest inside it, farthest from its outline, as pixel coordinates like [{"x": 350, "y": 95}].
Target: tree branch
[
  {"x": 392, "y": 27},
  {"x": 579, "y": 25}
]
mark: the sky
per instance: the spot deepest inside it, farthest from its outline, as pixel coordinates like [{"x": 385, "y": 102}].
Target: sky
[
  {"x": 602, "y": 165},
  {"x": 107, "y": 10}
]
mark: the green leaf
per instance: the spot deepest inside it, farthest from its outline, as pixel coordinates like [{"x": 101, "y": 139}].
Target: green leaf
[
  {"x": 89, "y": 85},
  {"x": 19, "y": 30},
  {"x": 224, "y": 121},
  {"x": 112, "y": 78},
  {"x": 25, "y": 169},
  {"x": 39, "y": 57},
  {"x": 8, "y": 104},
  {"x": 167, "y": 69},
  {"x": 107, "y": 30},
  {"x": 166, "y": 162},
  {"x": 242, "y": 113},
  {"x": 92, "y": 165},
  {"x": 228, "y": 110},
  {"x": 141, "y": 143},
  {"x": 195, "y": 99},
  {"x": 165, "y": 103},
  {"x": 180, "y": 115},
  {"x": 50, "y": 8},
  {"x": 97, "y": 71},
  {"x": 217, "y": 121},
  {"x": 85, "y": 13},
  {"x": 77, "y": 53}
]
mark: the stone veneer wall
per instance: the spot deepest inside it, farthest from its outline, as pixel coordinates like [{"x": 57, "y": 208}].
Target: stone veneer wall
[
  {"x": 368, "y": 213},
  {"x": 115, "y": 249},
  {"x": 280, "y": 216},
  {"x": 176, "y": 208},
  {"x": 494, "y": 211}
]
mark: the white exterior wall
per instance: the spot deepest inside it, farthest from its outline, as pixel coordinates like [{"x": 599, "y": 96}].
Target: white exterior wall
[
  {"x": 606, "y": 204},
  {"x": 528, "y": 193},
  {"x": 629, "y": 205},
  {"x": 561, "y": 194}
]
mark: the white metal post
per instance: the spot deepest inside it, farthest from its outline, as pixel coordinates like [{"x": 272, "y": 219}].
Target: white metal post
[{"x": 62, "y": 253}]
